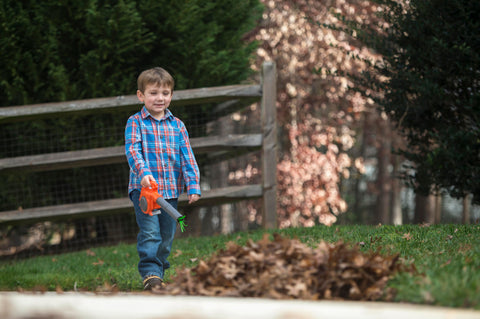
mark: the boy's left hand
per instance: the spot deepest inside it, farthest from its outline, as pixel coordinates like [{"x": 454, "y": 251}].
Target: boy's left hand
[{"x": 193, "y": 198}]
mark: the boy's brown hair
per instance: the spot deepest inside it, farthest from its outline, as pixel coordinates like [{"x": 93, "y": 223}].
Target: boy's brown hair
[{"x": 157, "y": 76}]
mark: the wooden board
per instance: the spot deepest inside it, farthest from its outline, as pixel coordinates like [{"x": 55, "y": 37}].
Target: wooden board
[
  {"x": 116, "y": 154},
  {"x": 182, "y": 97},
  {"x": 120, "y": 205},
  {"x": 269, "y": 148}
]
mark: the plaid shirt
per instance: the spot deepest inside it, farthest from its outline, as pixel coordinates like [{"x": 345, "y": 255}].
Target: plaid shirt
[{"x": 161, "y": 148}]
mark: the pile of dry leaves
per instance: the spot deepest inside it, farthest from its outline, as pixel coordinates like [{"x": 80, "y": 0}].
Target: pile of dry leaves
[{"x": 286, "y": 268}]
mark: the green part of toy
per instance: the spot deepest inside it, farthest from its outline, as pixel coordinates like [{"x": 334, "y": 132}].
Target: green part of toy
[{"x": 181, "y": 222}]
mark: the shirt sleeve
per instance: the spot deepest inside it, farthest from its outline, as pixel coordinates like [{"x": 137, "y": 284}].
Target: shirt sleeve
[
  {"x": 190, "y": 171},
  {"x": 133, "y": 148}
]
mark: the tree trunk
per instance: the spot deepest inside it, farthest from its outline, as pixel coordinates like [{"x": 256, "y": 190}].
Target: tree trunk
[
  {"x": 240, "y": 218},
  {"x": 226, "y": 213},
  {"x": 438, "y": 209},
  {"x": 384, "y": 182},
  {"x": 397, "y": 217},
  {"x": 357, "y": 205},
  {"x": 466, "y": 210},
  {"x": 220, "y": 179},
  {"x": 208, "y": 227},
  {"x": 424, "y": 209}
]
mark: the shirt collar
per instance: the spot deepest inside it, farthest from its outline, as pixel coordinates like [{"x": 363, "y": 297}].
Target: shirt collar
[{"x": 146, "y": 114}]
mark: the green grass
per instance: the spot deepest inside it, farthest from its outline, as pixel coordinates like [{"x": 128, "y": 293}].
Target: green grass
[{"x": 447, "y": 258}]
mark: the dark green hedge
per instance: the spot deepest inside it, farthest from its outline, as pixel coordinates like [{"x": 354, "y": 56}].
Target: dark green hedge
[{"x": 55, "y": 50}]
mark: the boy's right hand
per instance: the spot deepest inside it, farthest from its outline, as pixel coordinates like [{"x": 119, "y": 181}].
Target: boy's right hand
[{"x": 145, "y": 182}]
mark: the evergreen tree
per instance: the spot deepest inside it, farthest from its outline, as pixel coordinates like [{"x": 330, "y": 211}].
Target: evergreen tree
[
  {"x": 428, "y": 83},
  {"x": 55, "y": 50},
  {"x": 60, "y": 50},
  {"x": 201, "y": 41}
]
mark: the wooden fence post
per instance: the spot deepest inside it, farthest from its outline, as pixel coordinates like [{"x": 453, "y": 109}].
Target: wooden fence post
[{"x": 269, "y": 146}]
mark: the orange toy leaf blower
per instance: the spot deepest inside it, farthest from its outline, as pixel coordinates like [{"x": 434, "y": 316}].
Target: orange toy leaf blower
[{"x": 151, "y": 202}]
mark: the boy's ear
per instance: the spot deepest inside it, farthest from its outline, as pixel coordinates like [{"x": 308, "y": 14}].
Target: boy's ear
[{"x": 140, "y": 95}]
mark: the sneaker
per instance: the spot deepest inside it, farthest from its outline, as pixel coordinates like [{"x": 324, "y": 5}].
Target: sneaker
[{"x": 153, "y": 283}]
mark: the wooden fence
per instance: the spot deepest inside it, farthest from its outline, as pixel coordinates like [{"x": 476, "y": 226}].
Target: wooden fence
[{"x": 229, "y": 98}]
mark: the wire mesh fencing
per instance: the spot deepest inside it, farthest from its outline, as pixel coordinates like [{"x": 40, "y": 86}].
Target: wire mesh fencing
[{"x": 27, "y": 187}]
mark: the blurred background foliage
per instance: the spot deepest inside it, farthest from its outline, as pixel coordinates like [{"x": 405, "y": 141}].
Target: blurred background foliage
[{"x": 58, "y": 50}]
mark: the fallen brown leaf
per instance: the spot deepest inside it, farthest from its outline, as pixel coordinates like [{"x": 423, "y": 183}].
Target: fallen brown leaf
[
  {"x": 98, "y": 263},
  {"x": 407, "y": 236}
]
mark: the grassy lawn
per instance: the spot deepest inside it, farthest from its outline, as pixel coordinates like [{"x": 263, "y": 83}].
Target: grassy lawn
[{"x": 447, "y": 258}]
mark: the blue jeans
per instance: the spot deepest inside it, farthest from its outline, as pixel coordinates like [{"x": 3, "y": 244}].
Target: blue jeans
[{"x": 155, "y": 238}]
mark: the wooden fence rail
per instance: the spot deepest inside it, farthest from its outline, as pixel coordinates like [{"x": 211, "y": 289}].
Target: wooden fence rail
[
  {"x": 116, "y": 154},
  {"x": 230, "y": 98},
  {"x": 129, "y": 102}
]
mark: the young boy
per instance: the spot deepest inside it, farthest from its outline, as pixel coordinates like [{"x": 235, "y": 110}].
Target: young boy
[{"x": 158, "y": 149}]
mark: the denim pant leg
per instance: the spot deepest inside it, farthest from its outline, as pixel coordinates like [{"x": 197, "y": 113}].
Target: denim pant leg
[{"x": 155, "y": 238}]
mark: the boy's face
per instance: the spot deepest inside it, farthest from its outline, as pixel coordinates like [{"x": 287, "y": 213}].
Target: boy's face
[{"x": 156, "y": 98}]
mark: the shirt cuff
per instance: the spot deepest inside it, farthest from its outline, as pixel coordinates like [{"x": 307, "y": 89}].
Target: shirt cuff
[{"x": 194, "y": 189}]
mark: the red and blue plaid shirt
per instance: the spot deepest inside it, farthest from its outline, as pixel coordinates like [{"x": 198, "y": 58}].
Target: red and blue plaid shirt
[{"x": 161, "y": 148}]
